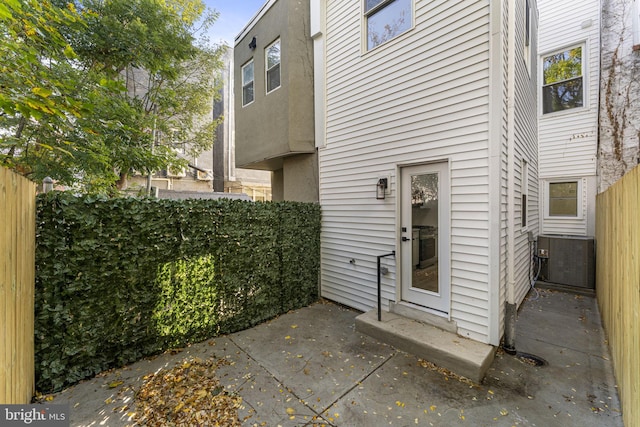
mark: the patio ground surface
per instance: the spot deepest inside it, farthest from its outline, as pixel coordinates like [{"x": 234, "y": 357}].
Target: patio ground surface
[{"x": 310, "y": 367}]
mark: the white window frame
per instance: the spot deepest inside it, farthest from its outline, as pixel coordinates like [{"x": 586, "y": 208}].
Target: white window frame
[
  {"x": 635, "y": 17},
  {"x": 585, "y": 95},
  {"x": 528, "y": 34},
  {"x": 266, "y": 69},
  {"x": 368, "y": 13},
  {"x": 252, "y": 82},
  {"x": 579, "y": 199}
]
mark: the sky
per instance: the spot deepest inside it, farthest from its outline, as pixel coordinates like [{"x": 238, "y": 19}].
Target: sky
[{"x": 234, "y": 15}]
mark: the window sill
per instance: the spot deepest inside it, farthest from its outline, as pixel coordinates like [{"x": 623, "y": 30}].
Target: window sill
[{"x": 564, "y": 113}]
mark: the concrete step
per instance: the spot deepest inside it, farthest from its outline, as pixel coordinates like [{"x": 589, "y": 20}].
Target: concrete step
[{"x": 462, "y": 356}]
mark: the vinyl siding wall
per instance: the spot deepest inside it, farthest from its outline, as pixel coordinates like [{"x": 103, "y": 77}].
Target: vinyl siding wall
[
  {"x": 422, "y": 97},
  {"x": 526, "y": 147},
  {"x": 568, "y": 140}
]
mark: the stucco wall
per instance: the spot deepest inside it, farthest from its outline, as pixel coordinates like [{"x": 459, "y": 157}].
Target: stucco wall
[
  {"x": 619, "y": 148},
  {"x": 281, "y": 122}
]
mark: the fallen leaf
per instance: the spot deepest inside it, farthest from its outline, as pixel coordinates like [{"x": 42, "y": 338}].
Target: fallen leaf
[
  {"x": 114, "y": 384},
  {"x": 291, "y": 411},
  {"x": 188, "y": 394}
]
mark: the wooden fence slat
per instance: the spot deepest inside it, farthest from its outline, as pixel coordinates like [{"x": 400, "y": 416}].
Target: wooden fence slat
[
  {"x": 618, "y": 285},
  {"x": 17, "y": 280},
  {"x": 4, "y": 280}
]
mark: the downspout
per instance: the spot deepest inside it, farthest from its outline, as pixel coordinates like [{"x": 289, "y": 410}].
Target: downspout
[{"x": 510, "y": 309}]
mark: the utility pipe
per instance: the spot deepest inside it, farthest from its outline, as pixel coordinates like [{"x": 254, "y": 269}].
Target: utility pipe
[
  {"x": 510, "y": 309},
  {"x": 393, "y": 253}
]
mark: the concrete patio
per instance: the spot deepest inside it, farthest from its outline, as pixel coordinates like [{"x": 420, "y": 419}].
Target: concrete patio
[{"x": 310, "y": 367}]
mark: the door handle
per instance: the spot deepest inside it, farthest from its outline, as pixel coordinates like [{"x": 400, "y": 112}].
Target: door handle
[{"x": 405, "y": 239}]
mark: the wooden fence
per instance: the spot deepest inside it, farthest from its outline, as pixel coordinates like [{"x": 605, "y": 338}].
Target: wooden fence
[
  {"x": 17, "y": 278},
  {"x": 618, "y": 285}
]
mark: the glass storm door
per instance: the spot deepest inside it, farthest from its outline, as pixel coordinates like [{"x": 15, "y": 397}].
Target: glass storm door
[{"x": 425, "y": 196}]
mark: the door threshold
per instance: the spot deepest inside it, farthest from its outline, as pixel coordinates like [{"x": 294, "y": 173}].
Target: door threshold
[{"x": 424, "y": 315}]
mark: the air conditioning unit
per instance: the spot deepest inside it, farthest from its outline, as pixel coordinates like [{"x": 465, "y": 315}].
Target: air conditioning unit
[
  {"x": 205, "y": 175},
  {"x": 176, "y": 172},
  {"x": 567, "y": 260}
]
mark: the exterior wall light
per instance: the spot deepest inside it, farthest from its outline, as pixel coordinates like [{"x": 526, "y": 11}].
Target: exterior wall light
[
  {"x": 381, "y": 188},
  {"x": 47, "y": 184},
  {"x": 252, "y": 44}
]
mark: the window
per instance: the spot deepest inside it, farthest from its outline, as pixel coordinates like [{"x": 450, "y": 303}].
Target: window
[
  {"x": 247, "y": 83},
  {"x": 635, "y": 17},
  {"x": 562, "y": 87},
  {"x": 524, "y": 191},
  {"x": 527, "y": 35},
  {"x": 272, "y": 59},
  {"x": 386, "y": 19},
  {"x": 563, "y": 198},
  {"x": 527, "y": 23}
]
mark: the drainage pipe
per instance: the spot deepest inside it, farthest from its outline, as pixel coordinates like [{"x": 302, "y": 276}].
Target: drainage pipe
[
  {"x": 510, "y": 311},
  {"x": 393, "y": 253}
]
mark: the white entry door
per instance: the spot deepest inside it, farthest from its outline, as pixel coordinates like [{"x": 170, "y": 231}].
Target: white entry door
[{"x": 426, "y": 277}]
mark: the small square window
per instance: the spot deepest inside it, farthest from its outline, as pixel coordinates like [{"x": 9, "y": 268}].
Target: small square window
[
  {"x": 272, "y": 59},
  {"x": 562, "y": 86},
  {"x": 563, "y": 199},
  {"x": 386, "y": 19},
  {"x": 247, "y": 83}
]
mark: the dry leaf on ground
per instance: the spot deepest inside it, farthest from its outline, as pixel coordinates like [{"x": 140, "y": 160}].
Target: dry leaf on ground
[{"x": 189, "y": 394}]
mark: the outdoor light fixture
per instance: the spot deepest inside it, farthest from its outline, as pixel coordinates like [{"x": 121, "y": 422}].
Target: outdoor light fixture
[
  {"x": 381, "y": 188},
  {"x": 252, "y": 44},
  {"x": 47, "y": 184}
]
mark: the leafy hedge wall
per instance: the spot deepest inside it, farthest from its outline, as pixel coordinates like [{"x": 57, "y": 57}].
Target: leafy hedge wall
[{"x": 120, "y": 279}]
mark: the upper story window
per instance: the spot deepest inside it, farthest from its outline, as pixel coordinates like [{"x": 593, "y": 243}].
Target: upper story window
[
  {"x": 562, "y": 84},
  {"x": 527, "y": 23},
  {"x": 527, "y": 35},
  {"x": 272, "y": 61},
  {"x": 635, "y": 17},
  {"x": 386, "y": 19},
  {"x": 247, "y": 83}
]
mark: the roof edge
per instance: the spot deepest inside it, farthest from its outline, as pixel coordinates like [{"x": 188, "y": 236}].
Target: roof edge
[{"x": 252, "y": 22}]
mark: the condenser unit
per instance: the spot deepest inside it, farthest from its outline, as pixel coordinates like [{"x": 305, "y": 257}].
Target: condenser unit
[
  {"x": 176, "y": 172},
  {"x": 205, "y": 174},
  {"x": 567, "y": 260}
]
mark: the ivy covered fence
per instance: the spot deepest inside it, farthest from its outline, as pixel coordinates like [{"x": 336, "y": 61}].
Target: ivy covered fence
[{"x": 120, "y": 279}]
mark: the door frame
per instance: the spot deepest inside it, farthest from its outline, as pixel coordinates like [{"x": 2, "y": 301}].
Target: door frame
[{"x": 444, "y": 235}]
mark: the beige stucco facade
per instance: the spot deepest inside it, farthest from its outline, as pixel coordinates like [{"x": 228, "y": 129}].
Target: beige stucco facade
[{"x": 275, "y": 131}]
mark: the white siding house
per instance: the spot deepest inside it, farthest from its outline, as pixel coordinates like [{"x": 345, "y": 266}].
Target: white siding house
[
  {"x": 568, "y": 125},
  {"x": 438, "y": 98}
]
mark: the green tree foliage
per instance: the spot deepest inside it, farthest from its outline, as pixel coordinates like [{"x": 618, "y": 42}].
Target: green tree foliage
[{"x": 93, "y": 89}]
